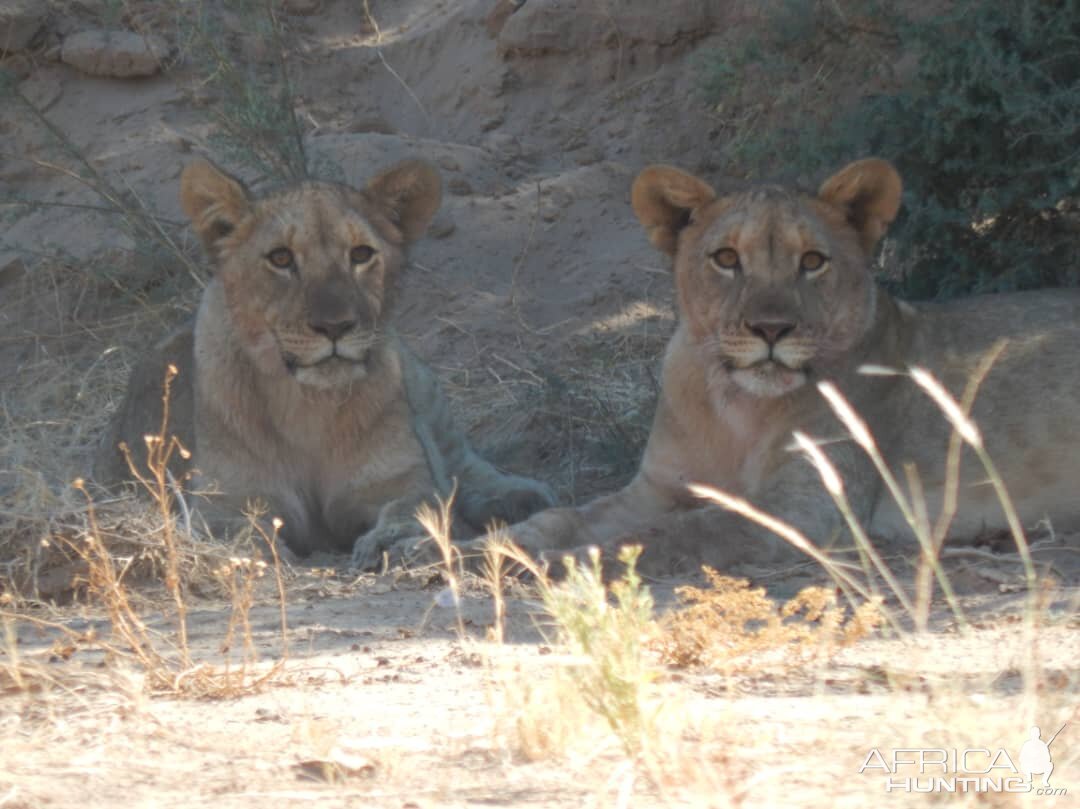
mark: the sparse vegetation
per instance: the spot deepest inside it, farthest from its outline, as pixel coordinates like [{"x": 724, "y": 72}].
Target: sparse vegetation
[
  {"x": 126, "y": 635},
  {"x": 255, "y": 105},
  {"x": 612, "y": 671},
  {"x": 159, "y": 277},
  {"x": 166, "y": 659}
]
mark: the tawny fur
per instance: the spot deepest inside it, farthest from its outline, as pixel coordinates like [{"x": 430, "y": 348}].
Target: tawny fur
[
  {"x": 304, "y": 396},
  {"x": 726, "y": 413}
]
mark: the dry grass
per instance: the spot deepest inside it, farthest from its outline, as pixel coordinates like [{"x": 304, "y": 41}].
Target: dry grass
[
  {"x": 604, "y": 703},
  {"x": 114, "y": 552},
  {"x": 60, "y": 336},
  {"x": 604, "y": 692},
  {"x": 586, "y": 410},
  {"x": 166, "y": 660}
]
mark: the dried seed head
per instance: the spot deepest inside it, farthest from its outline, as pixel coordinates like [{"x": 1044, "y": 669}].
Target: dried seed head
[
  {"x": 878, "y": 370},
  {"x": 829, "y": 476},
  {"x": 949, "y": 406},
  {"x": 855, "y": 425}
]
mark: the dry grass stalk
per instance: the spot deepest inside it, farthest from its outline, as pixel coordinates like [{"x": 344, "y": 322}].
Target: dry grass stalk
[
  {"x": 923, "y": 581},
  {"x": 855, "y": 591},
  {"x": 863, "y": 437},
  {"x": 438, "y": 522},
  {"x": 159, "y": 451},
  {"x": 493, "y": 568}
]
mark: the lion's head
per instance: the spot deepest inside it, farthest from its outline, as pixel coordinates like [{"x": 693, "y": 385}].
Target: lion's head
[
  {"x": 773, "y": 284},
  {"x": 308, "y": 271}
]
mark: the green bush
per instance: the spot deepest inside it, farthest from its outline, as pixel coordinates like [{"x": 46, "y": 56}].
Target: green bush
[
  {"x": 978, "y": 105},
  {"x": 254, "y": 113}
]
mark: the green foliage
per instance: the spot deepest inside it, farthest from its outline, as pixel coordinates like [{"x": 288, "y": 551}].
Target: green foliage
[
  {"x": 254, "y": 110},
  {"x": 610, "y": 640},
  {"x": 982, "y": 118}
]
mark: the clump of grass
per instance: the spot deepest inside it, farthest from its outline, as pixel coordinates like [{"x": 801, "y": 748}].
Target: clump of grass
[
  {"x": 724, "y": 624},
  {"x": 438, "y": 521},
  {"x": 543, "y": 715},
  {"x": 494, "y": 568},
  {"x": 605, "y": 630},
  {"x": 60, "y": 323},
  {"x": 597, "y": 696},
  {"x": 107, "y": 578},
  {"x": 164, "y": 492},
  {"x": 930, "y": 533},
  {"x": 610, "y": 640},
  {"x": 167, "y": 662}
]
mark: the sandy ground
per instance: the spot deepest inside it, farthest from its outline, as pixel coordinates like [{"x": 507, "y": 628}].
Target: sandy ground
[
  {"x": 540, "y": 304},
  {"x": 383, "y": 690}
]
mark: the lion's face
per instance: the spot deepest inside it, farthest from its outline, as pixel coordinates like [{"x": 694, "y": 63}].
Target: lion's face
[
  {"x": 773, "y": 284},
  {"x": 308, "y": 271}
]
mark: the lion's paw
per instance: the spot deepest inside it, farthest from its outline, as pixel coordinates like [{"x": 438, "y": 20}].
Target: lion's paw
[{"x": 369, "y": 549}]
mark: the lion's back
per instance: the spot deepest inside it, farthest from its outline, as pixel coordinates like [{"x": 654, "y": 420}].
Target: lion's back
[{"x": 1027, "y": 407}]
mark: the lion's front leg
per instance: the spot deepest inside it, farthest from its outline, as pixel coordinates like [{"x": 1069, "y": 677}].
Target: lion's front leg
[
  {"x": 400, "y": 536},
  {"x": 552, "y": 532},
  {"x": 682, "y": 541},
  {"x": 673, "y": 541},
  {"x": 709, "y": 534},
  {"x": 396, "y": 522},
  {"x": 681, "y": 536}
]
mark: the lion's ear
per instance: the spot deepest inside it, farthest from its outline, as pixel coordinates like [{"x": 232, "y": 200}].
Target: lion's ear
[
  {"x": 412, "y": 191},
  {"x": 869, "y": 192},
  {"x": 663, "y": 197},
  {"x": 214, "y": 201}
]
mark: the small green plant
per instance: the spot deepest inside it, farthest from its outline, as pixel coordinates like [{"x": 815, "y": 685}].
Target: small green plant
[
  {"x": 977, "y": 104},
  {"x": 608, "y": 630}
]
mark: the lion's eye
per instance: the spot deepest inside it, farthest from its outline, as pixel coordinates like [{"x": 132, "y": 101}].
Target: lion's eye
[
  {"x": 281, "y": 258},
  {"x": 812, "y": 262},
  {"x": 726, "y": 259},
  {"x": 361, "y": 254}
]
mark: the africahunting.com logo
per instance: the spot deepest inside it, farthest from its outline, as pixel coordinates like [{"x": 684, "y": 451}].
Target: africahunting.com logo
[{"x": 973, "y": 769}]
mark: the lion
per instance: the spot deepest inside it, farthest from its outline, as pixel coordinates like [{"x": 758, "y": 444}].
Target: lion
[
  {"x": 775, "y": 295},
  {"x": 302, "y": 396}
]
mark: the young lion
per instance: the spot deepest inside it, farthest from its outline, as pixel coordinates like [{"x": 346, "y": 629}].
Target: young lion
[
  {"x": 775, "y": 295},
  {"x": 304, "y": 397}
]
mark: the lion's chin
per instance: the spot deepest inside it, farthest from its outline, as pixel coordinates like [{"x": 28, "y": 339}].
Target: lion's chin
[
  {"x": 330, "y": 374},
  {"x": 768, "y": 379}
]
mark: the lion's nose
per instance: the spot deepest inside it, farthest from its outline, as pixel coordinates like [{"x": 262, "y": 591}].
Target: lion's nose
[
  {"x": 771, "y": 331},
  {"x": 332, "y": 329}
]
